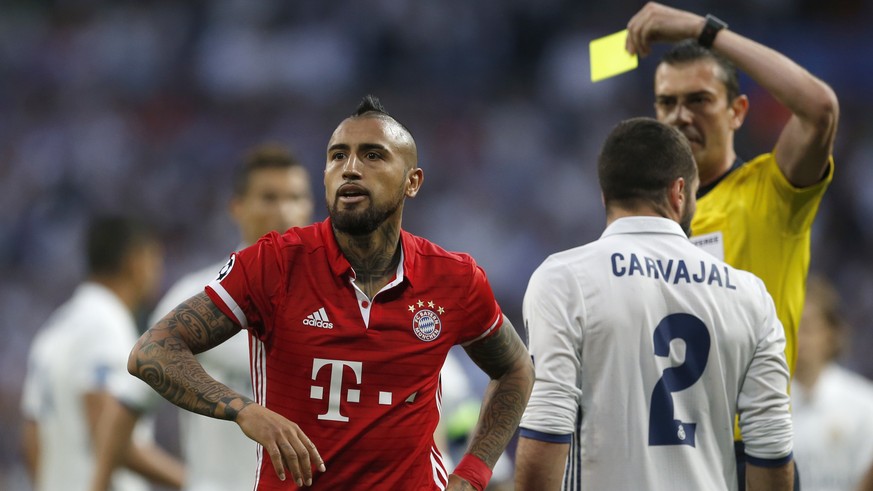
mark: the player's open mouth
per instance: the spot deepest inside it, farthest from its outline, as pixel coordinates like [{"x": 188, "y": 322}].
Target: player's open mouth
[{"x": 351, "y": 193}]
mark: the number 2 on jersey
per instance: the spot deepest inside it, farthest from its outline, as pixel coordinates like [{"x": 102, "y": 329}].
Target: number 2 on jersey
[{"x": 663, "y": 428}]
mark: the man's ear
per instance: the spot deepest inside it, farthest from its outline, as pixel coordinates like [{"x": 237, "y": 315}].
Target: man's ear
[
  {"x": 414, "y": 180},
  {"x": 739, "y": 108},
  {"x": 676, "y": 196},
  {"x": 234, "y": 208}
]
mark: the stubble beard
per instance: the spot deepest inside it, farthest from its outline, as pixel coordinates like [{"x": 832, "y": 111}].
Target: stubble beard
[
  {"x": 687, "y": 217},
  {"x": 686, "y": 224},
  {"x": 362, "y": 222}
]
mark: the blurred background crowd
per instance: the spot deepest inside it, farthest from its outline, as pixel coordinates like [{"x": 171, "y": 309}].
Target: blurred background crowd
[{"x": 146, "y": 107}]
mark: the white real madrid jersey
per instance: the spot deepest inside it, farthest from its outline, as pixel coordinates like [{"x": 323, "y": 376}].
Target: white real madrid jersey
[
  {"x": 833, "y": 430},
  {"x": 217, "y": 454},
  {"x": 83, "y": 348},
  {"x": 645, "y": 348}
]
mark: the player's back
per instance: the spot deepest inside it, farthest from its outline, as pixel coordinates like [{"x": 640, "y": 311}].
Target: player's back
[
  {"x": 668, "y": 333},
  {"x": 57, "y": 407},
  {"x": 77, "y": 352}
]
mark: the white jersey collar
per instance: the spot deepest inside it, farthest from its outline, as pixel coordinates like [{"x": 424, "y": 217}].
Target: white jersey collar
[{"x": 643, "y": 225}]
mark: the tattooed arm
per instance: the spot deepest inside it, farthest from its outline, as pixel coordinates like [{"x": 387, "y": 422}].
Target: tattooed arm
[
  {"x": 507, "y": 362},
  {"x": 164, "y": 358}
]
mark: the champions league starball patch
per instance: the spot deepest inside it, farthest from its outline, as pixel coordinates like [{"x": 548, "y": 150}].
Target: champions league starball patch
[
  {"x": 426, "y": 325},
  {"x": 225, "y": 270}
]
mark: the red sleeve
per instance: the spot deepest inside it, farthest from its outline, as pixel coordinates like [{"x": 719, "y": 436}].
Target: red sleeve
[
  {"x": 483, "y": 312},
  {"x": 246, "y": 285}
]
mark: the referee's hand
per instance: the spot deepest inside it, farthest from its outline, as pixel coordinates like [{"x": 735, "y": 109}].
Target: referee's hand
[
  {"x": 658, "y": 23},
  {"x": 284, "y": 441}
]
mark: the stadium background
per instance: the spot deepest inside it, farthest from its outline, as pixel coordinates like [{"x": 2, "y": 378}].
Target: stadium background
[{"x": 145, "y": 107}]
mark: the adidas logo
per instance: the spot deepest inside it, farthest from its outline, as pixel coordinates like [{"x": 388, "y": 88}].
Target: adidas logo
[{"x": 318, "y": 319}]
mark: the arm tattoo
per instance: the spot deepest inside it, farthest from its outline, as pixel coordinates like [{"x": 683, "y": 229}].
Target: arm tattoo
[
  {"x": 164, "y": 358},
  {"x": 506, "y": 360}
]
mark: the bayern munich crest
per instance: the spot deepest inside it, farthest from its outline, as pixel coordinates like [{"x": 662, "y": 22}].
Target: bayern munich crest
[{"x": 426, "y": 323}]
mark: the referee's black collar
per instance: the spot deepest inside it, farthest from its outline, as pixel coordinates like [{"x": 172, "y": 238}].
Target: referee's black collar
[{"x": 702, "y": 190}]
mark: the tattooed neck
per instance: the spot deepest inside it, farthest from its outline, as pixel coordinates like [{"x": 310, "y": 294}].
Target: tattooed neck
[{"x": 374, "y": 257}]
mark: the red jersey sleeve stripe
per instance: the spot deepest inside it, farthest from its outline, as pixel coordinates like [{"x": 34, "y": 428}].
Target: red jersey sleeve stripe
[
  {"x": 229, "y": 303},
  {"x": 494, "y": 325}
]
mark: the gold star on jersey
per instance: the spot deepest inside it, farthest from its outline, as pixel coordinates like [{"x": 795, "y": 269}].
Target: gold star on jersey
[{"x": 426, "y": 324}]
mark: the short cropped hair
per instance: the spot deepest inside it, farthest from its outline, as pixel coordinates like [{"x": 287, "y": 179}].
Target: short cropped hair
[
  {"x": 110, "y": 239},
  {"x": 690, "y": 51},
  {"x": 640, "y": 159},
  {"x": 265, "y": 156}
]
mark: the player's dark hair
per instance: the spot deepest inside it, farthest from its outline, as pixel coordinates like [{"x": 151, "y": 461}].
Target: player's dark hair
[
  {"x": 110, "y": 239},
  {"x": 690, "y": 51},
  {"x": 265, "y": 156},
  {"x": 370, "y": 105},
  {"x": 639, "y": 161}
]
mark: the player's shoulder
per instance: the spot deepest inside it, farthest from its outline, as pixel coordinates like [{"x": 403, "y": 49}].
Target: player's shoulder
[
  {"x": 761, "y": 160},
  {"x": 743, "y": 178},
  {"x": 45, "y": 339},
  {"x": 568, "y": 266},
  {"x": 750, "y": 287},
  {"x": 853, "y": 383},
  {"x": 573, "y": 257},
  {"x": 431, "y": 255},
  {"x": 194, "y": 282},
  {"x": 295, "y": 240},
  {"x": 91, "y": 307}
]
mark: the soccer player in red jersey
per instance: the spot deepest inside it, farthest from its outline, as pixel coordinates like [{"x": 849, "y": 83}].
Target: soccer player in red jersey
[{"x": 350, "y": 321}]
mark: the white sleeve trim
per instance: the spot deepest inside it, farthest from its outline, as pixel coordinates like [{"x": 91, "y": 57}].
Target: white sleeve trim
[
  {"x": 230, "y": 303},
  {"x": 485, "y": 334}
]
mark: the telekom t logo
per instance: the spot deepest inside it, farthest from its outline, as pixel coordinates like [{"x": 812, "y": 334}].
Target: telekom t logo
[{"x": 335, "y": 392}]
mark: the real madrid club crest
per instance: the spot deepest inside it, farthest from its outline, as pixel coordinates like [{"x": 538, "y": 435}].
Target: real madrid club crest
[{"x": 426, "y": 323}]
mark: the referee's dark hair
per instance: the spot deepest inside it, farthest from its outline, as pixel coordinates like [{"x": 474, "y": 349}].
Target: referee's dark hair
[
  {"x": 639, "y": 161},
  {"x": 110, "y": 239},
  {"x": 690, "y": 51}
]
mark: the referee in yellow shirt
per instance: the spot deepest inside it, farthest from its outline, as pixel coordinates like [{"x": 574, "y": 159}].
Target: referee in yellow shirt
[{"x": 755, "y": 215}]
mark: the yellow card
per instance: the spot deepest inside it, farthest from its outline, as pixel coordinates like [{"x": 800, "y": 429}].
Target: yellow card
[{"x": 609, "y": 58}]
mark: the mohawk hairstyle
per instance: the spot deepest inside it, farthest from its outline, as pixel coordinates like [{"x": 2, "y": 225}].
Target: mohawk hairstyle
[{"x": 370, "y": 104}]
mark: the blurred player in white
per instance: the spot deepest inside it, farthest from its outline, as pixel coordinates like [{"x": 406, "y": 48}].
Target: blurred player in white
[
  {"x": 272, "y": 192},
  {"x": 80, "y": 353},
  {"x": 832, "y": 407},
  {"x": 646, "y": 347}
]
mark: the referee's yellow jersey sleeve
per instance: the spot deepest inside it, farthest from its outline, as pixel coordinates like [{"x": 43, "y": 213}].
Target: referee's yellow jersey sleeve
[{"x": 766, "y": 225}]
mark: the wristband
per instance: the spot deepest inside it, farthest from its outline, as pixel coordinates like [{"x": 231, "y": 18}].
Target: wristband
[
  {"x": 712, "y": 26},
  {"x": 473, "y": 470}
]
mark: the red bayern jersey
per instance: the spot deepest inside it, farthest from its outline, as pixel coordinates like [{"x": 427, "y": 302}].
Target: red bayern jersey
[{"x": 360, "y": 378}]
